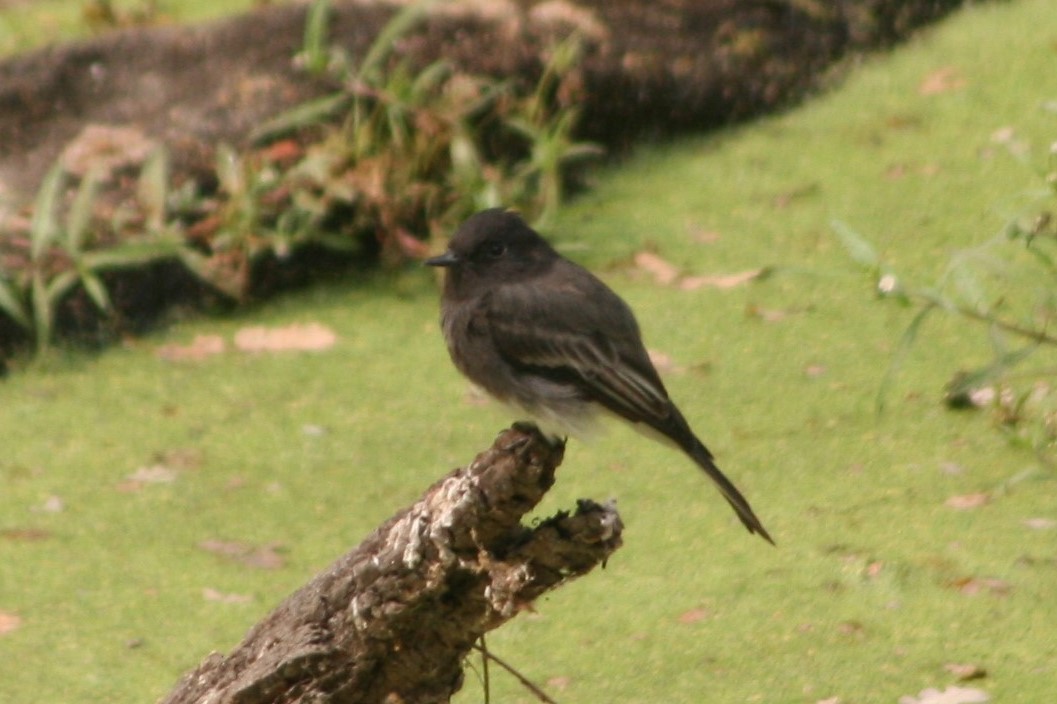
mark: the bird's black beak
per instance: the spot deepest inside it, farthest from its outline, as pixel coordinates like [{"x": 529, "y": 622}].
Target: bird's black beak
[{"x": 449, "y": 258}]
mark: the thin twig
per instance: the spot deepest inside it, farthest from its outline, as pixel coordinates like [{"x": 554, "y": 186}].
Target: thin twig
[
  {"x": 484, "y": 671},
  {"x": 1036, "y": 335},
  {"x": 525, "y": 682},
  {"x": 1040, "y": 336}
]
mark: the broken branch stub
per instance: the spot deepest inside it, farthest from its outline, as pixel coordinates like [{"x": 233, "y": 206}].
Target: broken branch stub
[{"x": 393, "y": 620}]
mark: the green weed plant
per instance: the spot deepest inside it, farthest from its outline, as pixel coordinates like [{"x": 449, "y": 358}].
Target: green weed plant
[
  {"x": 1007, "y": 287},
  {"x": 64, "y": 251},
  {"x": 397, "y": 155}
]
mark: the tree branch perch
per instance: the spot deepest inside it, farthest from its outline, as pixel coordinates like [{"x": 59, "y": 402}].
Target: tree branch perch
[{"x": 393, "y": 620}]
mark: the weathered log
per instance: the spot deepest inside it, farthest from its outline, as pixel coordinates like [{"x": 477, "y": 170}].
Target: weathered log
[{"x": 393, "y": 620}]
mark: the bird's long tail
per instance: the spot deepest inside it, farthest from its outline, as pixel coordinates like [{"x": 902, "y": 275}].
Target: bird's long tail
[
  {"x": 674, "y": 428},
  {"x": 700, "y": 454}
]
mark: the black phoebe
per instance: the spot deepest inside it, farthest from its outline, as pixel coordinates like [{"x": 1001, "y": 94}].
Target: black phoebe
[{"x": 541, "y": 333}]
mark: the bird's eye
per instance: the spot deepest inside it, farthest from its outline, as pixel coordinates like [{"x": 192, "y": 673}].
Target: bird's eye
[{"x": 495, "y": 250}]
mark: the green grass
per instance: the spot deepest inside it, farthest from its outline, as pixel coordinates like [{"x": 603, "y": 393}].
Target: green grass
[
  {"x": 858, "y": 601},
  {"x": 26, "y": 24}
]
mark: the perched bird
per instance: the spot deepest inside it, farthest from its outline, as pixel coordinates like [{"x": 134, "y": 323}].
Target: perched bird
[{"x": 539, "y": 332}]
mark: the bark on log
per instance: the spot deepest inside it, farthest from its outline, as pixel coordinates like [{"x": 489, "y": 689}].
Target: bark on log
[{"x": 393, "y": 620}]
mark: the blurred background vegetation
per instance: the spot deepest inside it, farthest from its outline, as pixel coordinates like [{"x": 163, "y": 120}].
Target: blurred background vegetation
[{"x": 883, "y": 394}]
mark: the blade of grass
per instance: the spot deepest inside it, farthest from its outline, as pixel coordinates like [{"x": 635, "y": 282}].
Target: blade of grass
[
  {"x": 41, "y": 311},
  {"x": 13, "y": 304},
  {"x": 399, "y": 25},
  {"x": 44, "y": 227},
  {"x": 79, "y": 217},
  {"x": 152, "y": 189},
  {"x": 130, "y": 254},
  {"x": 304, "y": 115},
  {"x": 93, "y": 285},
  {"x": 860, "y": 250},
  {"x": 315, "y": 51},
  {"x": 906, "y": 342}
]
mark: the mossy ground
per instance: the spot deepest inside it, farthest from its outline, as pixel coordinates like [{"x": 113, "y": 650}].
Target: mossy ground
[
  {"x": 24, "y": 25},
  {"x": 875, "y": 586}
]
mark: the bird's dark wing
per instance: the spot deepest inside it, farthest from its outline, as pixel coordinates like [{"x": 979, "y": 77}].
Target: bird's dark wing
[{"x": 575, "y": 328}]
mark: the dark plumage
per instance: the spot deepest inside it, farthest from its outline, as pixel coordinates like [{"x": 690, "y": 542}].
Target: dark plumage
[{"x": 542, "y": 333}]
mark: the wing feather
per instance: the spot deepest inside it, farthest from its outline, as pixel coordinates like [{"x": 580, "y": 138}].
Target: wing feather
[{"x": 586, "y": 335}]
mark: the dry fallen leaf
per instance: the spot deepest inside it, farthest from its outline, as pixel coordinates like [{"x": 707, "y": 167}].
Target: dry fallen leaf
[
  {"x": 262, "y": 557},
  {"x": 965, "y": 671},
  {"x": 410, "y": 245},
  {"x": 767, "y": 315},
  {"x": 662, "y": 271},
  {"x": 52, "y": 504},
  {"x": 236, "y": 482},
  {"x": 898, "y": 171},
  {"x": 665, "y": 273},
  {"x": 153, "y": 474},
  {"x": 721, "y": 281},
  {"x": 979, "y": 585},
  {"x": 663, "y": 362},
  {"x": 694, "y": 615},
  {"x": 161, "y": 472},
  {"x": 180, "y": 458},
  {"x": 210, "y": 594},
  {"x": 950, "y": 695},
  {"x": 967, "y": 502},
  {"x": 284, "y": 151},
  {"x": 785, "y": 199},
  {"x": 702, "y": 236},
  {"x": 201, "y": 346},
  {"x": 942, "y": 80},
  {"x": 1004, "y": 135},
  {"x": 9, "y": 622},
  {"x": 476, "y": 397},
  {"x": 774, "y": 315},
  {"x": 106, "y": 148},
  {"x": 295, "y": 337},
  {"x": 25, "y": 535},
  {"x": 1040, "y": 523}
]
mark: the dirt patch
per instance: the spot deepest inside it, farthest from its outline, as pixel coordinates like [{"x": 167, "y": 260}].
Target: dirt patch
[{"x": 650, "y": 67}]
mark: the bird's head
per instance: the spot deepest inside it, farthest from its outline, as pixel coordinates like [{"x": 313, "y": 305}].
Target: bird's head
[{"x": 490, "y": 248}]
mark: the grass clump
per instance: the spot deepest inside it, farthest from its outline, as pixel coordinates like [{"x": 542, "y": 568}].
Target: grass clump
[
  {"x": 419, "y": 150},
  {"x": 393, "y": 158},
  {"x": 1007, "y": 288},
  {"x": 67, "y": 249}
]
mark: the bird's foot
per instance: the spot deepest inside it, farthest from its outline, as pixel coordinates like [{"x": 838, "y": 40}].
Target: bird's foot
[
  {"x": 526, "y": 426},
  {"x": 530, "y": 428}
]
